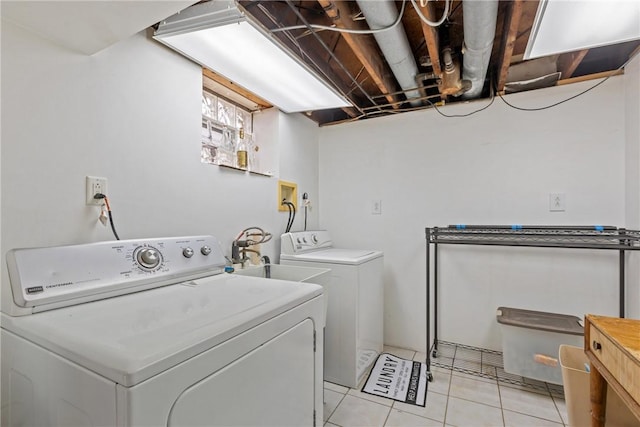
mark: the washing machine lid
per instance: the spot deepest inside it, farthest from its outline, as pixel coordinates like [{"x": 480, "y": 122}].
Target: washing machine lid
[
  {"x": 131, "y": 338},
  {"x": 335, "y": 256}
]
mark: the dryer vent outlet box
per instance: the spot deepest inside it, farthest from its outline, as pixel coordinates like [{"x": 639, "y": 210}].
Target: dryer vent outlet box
[{"x": 287, "y": 192}]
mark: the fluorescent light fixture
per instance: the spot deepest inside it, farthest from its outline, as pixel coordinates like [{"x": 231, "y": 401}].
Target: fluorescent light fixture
[
  {"x": 218, "y": 36},
  {"x": 565, "y": 26}
]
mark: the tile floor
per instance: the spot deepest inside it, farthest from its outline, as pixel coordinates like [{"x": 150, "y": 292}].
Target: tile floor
[{"x": 453, "y": 399}]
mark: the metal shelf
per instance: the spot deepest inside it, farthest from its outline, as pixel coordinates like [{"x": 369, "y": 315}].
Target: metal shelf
[
  {"x": 597, "y": 237},
  {"x": 484, "y": 363},
  {"x": 570, "y": 237}
]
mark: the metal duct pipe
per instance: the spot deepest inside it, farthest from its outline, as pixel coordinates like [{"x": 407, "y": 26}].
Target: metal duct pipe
[
  {"x": 393, "y": 44},
  {"x": 479, "y": 30}
]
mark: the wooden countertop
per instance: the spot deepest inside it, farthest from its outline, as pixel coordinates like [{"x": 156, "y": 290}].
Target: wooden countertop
[
  {"x": 625, "y": 332},
  {"x": 613, "y": 346}
]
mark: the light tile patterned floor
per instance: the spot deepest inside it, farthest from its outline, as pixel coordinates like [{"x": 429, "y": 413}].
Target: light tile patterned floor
[{"x": 454, "y": 399}]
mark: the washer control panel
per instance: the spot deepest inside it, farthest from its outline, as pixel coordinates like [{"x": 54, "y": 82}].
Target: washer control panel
[
  {"x": 66, "y": 275},
  {"x": 304, "y": 241}
]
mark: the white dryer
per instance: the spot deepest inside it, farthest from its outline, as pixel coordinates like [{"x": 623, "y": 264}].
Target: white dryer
[
  {"x": 153, "y": 333},
  {"x": 355, "y": 316}
]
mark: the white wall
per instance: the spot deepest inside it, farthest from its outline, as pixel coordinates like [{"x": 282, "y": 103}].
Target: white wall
[
  {"x": 632, "y": 172},
  {"x": 495, "y": 167},
  {"x": 130, "y": 113}
]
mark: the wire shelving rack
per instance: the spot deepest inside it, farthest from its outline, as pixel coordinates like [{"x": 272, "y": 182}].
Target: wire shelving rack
[{"x": 547, "y": 236}]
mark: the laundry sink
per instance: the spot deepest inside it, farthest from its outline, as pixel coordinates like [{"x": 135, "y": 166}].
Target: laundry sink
[{"x": 319, "y": 276}]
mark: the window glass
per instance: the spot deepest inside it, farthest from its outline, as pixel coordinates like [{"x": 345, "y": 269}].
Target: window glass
[
  {"x": 225, "y": 128},
  {"x": 209, "y": 105},
  {"x": 226, "y": 113},
  {"x": 243, "y": 120}
]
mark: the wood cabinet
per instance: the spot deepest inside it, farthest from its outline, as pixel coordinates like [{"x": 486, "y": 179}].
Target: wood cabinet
[{"x": 613, "y": 348}]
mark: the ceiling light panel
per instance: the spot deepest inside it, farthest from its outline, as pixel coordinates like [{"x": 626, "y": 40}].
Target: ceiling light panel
[
  {"x": 564, "y": 26},
  {"x": 242, "y": 53}
]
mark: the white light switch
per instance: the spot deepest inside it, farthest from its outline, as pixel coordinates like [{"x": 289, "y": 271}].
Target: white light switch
[
  {"x": 557, "y": 202},
  {"x": 376, "y": 207}
]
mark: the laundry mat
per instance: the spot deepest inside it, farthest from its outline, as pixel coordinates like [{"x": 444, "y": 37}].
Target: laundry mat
[{"x": 398, "y": 379}]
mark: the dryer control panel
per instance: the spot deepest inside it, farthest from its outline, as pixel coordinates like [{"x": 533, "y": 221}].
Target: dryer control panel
[
  {"x": 59, "y": 276},
  {"x": 304, "y": 241}
]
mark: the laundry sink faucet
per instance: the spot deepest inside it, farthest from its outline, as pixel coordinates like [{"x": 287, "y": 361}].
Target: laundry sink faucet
[{"x": 267, "y": 266}]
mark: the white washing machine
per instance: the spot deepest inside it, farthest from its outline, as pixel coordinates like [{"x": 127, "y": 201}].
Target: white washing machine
[
  {"x": 153, "y": 333},
  {"x": 354, "y": 328}
]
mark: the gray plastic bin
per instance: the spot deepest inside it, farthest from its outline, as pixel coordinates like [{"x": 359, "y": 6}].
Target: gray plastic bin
[
  {"x": 531, "y": 341},
  {"x": 576, "y": 393}
]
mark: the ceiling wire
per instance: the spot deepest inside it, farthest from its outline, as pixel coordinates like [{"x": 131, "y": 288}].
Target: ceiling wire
[
  {"x": 380, "y": 110},
  {"x": 571, "y": 97},
  {"x": 334, "y": 57},
  {"x": 310, "y": 27},
  {"x": 524, "y": 108},
  {"x": 493, "y": 98},
  {"x": 346, "y": 30},
  {"x": 357, "y": 76},
  {"x": 294, "y": 41},
  {"x": 368, "y": 114},
  {"x": 423, "y": 18}
]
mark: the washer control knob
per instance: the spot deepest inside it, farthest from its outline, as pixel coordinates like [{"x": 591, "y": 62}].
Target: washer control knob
[
  {"x": 148, "y": 258},
  {"x": 205, "y": 250},
  {"x": 187, "y": 252},
  {"x": 314, "y": 239}
]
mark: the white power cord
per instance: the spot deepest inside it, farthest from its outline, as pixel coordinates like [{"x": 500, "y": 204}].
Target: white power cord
[{"x": 424, "y": 18}]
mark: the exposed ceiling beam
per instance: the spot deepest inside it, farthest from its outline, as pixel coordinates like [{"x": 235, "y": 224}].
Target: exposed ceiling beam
[
  {"x": 588, "y": 77},
  {"x": 363, "y": 46},
  {"x": 509, "y": 36},
  {"x": 568, "y": 62},
  {"x": 431, "y": 37}
]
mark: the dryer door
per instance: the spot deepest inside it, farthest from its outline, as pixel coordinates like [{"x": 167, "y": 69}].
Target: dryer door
[{"x": 271, "y": 385}]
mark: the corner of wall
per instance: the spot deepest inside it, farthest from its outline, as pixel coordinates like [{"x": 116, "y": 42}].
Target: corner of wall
[{"x": 632, "y": 179}]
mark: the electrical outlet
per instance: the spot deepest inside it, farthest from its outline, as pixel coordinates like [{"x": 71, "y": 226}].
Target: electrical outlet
[
  {"x": 305, "y": 200},
  {"x": 95, "y": 185}
]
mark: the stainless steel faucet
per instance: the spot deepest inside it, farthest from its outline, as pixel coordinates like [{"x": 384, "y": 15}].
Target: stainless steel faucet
[{"x": 267, "y": 266}]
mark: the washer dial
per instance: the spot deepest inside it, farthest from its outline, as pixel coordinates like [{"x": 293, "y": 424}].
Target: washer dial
[
  {"x": 187, "y": 252},
  {"x": 149, "y": 258}
]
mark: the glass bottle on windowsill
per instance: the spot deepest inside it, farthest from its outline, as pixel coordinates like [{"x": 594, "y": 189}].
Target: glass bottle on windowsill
[
  {"x": 241, "y": 153},
  {"x": 254, "y": 159},
  {"x": 226, "y": 152}
]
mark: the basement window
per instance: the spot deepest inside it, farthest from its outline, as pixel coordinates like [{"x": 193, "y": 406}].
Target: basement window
[{"x": 227, "y": 136}]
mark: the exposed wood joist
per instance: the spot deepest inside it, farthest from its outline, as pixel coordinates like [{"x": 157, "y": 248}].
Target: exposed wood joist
[
  {"x": 363, "y": 46},
  {"x": 356, "y": 67},
  {"x": 509, "y": 36},
  {"x": 568, "y": 62},
  {"x": 588, "y": 77},
  {"x": 431, "y": 37}
]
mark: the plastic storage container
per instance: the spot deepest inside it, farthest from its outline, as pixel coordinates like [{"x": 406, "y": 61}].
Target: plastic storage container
[
  {"x": 573, "y": 362},
  {"x": 531, "y": 341}
]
